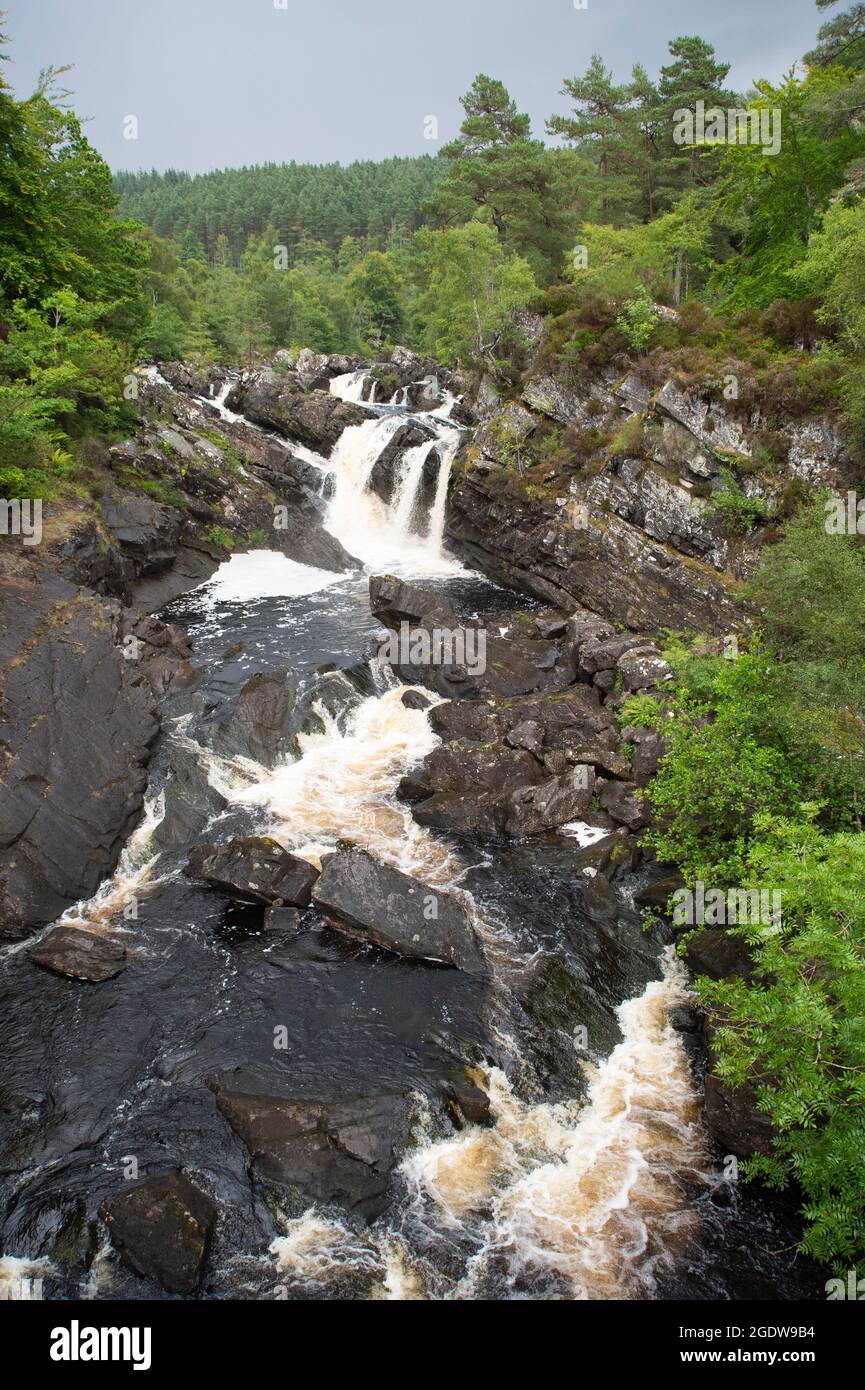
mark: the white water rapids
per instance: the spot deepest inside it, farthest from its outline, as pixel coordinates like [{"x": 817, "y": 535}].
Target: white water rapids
[{"x": 588, "y": 1195}]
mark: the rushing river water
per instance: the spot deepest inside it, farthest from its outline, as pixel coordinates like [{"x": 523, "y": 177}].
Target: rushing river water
[{"x": 595, "y": 1179}]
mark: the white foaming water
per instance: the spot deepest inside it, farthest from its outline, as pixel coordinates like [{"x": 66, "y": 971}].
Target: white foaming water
[
  {"x": 381, "y": 535},
  {"x": 133, "y": 877},
  {"x": 316, "y": 1251},
  {"x": 342, "y": 788},
  {"x": 589, "y": 1198},
  {"x": 20, "y": 1278},
  {"x": 218, "y": 402},
  {"x": 589, "y": 1195},
  {"x": 349, "y": 386},
  {"x": 254, "y": 574},
  {"x": 408, "y": 486}
]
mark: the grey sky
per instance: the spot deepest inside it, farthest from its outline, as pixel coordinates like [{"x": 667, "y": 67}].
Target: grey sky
[{"x": 216, "y": 83}]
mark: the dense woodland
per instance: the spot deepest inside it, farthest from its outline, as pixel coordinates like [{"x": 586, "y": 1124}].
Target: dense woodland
[{"x": 763, "y": 255}]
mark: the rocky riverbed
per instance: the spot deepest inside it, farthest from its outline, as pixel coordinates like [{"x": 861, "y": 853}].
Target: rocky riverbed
[{"x": 325, "y": 974}]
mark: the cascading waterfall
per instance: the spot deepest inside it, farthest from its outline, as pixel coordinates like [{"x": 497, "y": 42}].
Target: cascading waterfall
[
  {"x": 584, "y": 1198},
  {"x": 379, "y": 534},
  {"x": 133, "y": 877},
  {"x": 587, "y": 1198},
  {"x": 408, "y": 486}
]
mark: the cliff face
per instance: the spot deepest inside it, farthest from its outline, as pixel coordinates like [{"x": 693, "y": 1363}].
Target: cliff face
[{"x": 643, "y": 504}]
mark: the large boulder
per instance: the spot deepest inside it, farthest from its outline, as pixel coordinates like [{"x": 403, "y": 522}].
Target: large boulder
[
  {"x": 395, "y": 601},
  {"x": 734, "y": 1122},
  {"x": 259, "y": 726},
  {"x": 314, "y": 418},
  {"x": 376, "y": 903},
  {"x": 468, "y": 788},
  {"x": 76, "y": 724},
  {"x": 254, "y": 868},
  {"x": 551, "y": 804},
  {"x": 162, "y": 1228},
  {"x": 81, "y": 955},
  {"x": 339, "y": 1152}
]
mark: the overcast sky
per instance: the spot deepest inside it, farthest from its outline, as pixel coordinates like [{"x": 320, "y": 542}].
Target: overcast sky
[{"x": 215, "y": 83}]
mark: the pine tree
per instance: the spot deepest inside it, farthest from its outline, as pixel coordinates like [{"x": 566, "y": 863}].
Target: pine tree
[{"x": 495, "y": 168}]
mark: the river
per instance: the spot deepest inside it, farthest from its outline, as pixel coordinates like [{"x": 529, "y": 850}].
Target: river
[{"x": 594, "y": 1180}]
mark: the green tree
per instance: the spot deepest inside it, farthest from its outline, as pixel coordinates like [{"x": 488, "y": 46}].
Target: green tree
[
  {"x": 472, "y": 286},
  {"x": 495, "y": 167},
  {"x": 796, "y": 1032},
  {"x": 375, "y": 291}
]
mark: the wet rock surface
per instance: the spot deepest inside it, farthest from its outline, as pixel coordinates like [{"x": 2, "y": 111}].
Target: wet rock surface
[
  {"x": 391, "y": 910},
  {"x": 77, "y": 721},
  {"x": 341, "y": 1152},
  {"x": 81, "y": 955},
  {"x": 162, "y": 1228},
  {"x": 254, "y": 868}
]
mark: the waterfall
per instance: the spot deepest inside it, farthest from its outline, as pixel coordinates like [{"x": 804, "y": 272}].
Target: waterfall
[
  {"x": 587, "y": 1193},
  {"x": 131, "y": 880},
  {"x": 409, "y": 483},
  {"x": 349, "y": 386},
  {"x": 378, "y": 534}
]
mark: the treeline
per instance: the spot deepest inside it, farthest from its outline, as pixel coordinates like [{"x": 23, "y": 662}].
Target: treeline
[{"x": 371, "y": 202}]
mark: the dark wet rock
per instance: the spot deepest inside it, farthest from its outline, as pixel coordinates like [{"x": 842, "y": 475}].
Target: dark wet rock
[
  {"x": 606, "y": 854},
  {"x": 163, "y": 651},
  {"x": 603, "y": 760},
  {"x": 385, "y": 470},
  {"x": 395, "y": 601},
  {"x": 412, "y": 699},
  {"x": 379, "y": 904},
  {"x": 734, "y": 1122},
  {"x": 715, "y": 952},
  {"x": 254, "y": 868},
  {"x": 315, "y": 418},
  {"x": 76, "y": 724},
  {"x": 466, "y": 1100},
  {"x": 284, "y": 919},
  {"x": 82, "y": 955},
  {"x": 162, "y": 1228},
  {"x": 550, "y": 804},
  {"x": 609, "y": 566},
  {"x": 551, "y": 627},
  {"x": 472, "y": 785},
  {"x": 191, "y": 802},
  {"x": 458, "y": 660},
  {"x": 341, "y": 1152},
  {"x": 529, "y": 735},
  {"x": 260, "y": 724},
  {"x": 657, "y": 892},
  {"x": 133, "y": 538},
  {"x": 623, "y": 802},
  {"x": 600, "y": 902},
  {"x": 686, "y": 1020}
]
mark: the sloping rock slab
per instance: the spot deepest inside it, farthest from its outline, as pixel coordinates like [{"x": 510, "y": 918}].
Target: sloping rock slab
[
  {"x": 342, "y": 1152},
  {"x": 82, "y": 955},
  {"x": 76, "y": 723},
  {"x": 162, "y": 1228},
  {"x": 258, "y": 726},
  {"x": 256, "y": 868},
  {"x": 381, "y": 905}
]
